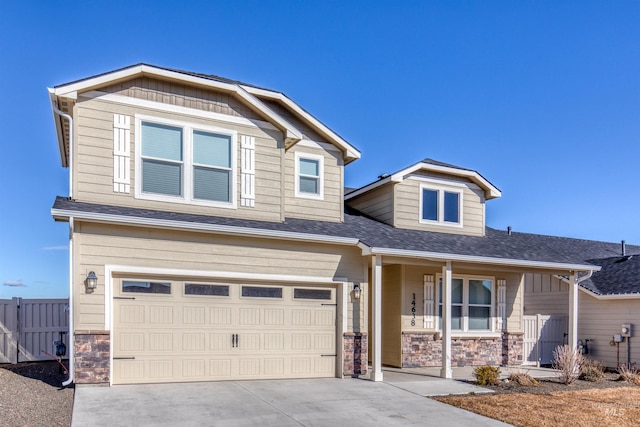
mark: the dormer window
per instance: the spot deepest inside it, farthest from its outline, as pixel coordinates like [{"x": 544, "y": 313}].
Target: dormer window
[
  {"x": 309, "y": 176},
  {"x": 440, "y": 205}
]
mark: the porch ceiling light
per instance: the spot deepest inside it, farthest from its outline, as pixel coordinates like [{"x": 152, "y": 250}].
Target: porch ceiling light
[
  {"x": 355, "y": 293},
  {"x": 91, "y": 282}
]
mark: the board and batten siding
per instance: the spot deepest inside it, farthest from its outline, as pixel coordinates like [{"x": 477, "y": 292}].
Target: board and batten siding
[
  {"x": 377, "y": 203},
  {"x": 407, "y": 209},
  {"x": 97, "y": 245},
  {"x": 94, "y": 169},
  {"x": 545, "y": 294},
  {"x": 600, "y": 320},
  {"x": 330, "y": 207}
]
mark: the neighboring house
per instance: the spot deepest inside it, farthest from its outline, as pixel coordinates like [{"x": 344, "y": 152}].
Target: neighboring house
[
  {"x": 211, "y": 238},
  {"x": 608, "y": 300}
]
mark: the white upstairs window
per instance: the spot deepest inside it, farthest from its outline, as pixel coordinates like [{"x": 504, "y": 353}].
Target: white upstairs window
[
  {"x": 309, "y": 171},
  {"x": 441, "y": 206},
  {"x": 185, "y": 163}
]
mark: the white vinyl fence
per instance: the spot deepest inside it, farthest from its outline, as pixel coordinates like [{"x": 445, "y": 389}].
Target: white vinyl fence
[{"x": 30, "y": 326}]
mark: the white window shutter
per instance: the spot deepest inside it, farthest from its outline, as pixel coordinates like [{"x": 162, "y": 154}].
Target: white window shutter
[
  {"x": 502, "y": 305},
  {"x": 121, "y": 153},
  {"x": 248, "y": 171},
  {"x": 429, "y": 301}
]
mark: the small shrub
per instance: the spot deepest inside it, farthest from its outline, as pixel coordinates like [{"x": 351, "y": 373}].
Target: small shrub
[
  {"x": 568, "y": 361},
  {"x": 592, "y": 370},
  {"x": 523, "y": 378},
  {"x": 487, "y": 375},
  {"x": 630, "y": 375}
]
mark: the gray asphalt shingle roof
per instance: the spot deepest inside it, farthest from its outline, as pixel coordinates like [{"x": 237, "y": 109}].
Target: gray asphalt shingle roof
[{"x": 616, "y": 277}]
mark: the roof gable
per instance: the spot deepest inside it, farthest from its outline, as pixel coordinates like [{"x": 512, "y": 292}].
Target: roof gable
[{"x": 250, "y": 95}]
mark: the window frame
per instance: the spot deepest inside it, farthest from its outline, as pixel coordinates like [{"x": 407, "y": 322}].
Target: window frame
[
  {"x": 465, "y": 305},
  {"x": 441, "y": 190},
  {"x": 315, "y": 157},
  {"x": 188, "y": 165}
]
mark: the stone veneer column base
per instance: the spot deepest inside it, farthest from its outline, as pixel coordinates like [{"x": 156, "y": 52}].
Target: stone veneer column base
[
  {"x": 91, "y": 357},
  {"x": 512, "y": 348},
  {"x": 356, "y": 350}
]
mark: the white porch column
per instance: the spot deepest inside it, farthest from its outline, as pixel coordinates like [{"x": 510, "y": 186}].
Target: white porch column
[
  {"x": 376, "y": 320},
  {"x": 446, "y": 371},
  {"x": 573, "y": 311}
]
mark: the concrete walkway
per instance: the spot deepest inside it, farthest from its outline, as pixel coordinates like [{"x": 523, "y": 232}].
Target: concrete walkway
[{"x": 314, "y": 402}]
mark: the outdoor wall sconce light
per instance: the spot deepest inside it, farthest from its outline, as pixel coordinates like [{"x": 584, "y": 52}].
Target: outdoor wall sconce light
[
  {"x": 91, "y": 282},
  {"x": 355, "y": 293}
]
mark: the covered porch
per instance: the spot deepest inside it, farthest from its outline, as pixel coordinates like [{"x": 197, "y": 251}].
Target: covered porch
[{"x": 437, "y": 312}]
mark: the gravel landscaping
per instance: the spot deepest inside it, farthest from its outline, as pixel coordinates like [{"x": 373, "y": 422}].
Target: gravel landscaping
[{"x": 32, "y": 395}]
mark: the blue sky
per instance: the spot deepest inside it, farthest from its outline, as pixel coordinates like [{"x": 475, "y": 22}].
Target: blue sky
[{"x": 542, "y": 98}]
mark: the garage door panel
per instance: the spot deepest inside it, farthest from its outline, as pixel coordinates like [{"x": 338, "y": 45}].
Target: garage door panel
[{"x": 179, "y": 338}]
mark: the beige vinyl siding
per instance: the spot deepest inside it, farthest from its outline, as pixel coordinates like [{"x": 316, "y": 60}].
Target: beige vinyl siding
[
  {"x": 407, "y": 209},
  {"x": 413, "y": 279},
  {"x": 391, "y": 315},
  {"x": 514, "y": 303},
  {"x": 182, "y": 95},
  {"x": 97, "y": 245},
  {"x": 600, "y": 320},
  {"x": 377, "y": 203},
  {"x": 93, "y": 162},
  {"x": 284, "y": 112},
  {"x": 330, "y": 207},
  {"x": 545, "y": 294}
]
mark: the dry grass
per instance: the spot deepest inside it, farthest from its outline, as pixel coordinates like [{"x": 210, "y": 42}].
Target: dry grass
[{"x": 618, "y": 407}]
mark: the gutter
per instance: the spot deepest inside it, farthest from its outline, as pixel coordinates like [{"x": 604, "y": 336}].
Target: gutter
[
  {"x": 200, "y": 227},
  {"x": 69, "y": 161},
  {"x": 366, "y": 250}
]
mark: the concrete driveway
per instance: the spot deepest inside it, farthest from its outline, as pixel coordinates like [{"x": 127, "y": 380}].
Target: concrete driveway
[{"x": 315, "y": 402}]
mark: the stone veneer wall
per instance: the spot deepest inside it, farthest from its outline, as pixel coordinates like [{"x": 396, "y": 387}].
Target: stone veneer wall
[
  {"x": 512, "y": 348},
  {"x": 91, "y": 357},
  {"x": 356, "y": 350},
  {"x": 422, "y": 350}
]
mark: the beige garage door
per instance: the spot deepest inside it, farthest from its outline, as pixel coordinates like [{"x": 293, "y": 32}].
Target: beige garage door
[{"x": 180, "y": 331}]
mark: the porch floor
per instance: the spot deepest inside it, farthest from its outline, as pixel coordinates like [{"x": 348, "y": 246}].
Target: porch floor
[{"x": 427, "y": 381}]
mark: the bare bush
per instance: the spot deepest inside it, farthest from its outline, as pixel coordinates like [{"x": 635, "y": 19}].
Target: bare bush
[
  {"x": 568, "y": 361},
  {"x": 630, "y": 375},
  {"x": 523, "y": 378},
  {"x": 592, "y": 370}
]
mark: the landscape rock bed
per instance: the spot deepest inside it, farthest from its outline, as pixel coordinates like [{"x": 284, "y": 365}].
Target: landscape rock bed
[{"x": 32, "y": 395}]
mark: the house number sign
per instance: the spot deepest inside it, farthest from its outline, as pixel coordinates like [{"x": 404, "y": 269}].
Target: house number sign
[{"x": 413, "y": 310}]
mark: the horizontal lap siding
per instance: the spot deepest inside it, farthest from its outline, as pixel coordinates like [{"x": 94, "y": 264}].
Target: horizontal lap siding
[
  {"x": 376, "y": 203},
  {"x": 545, "y": 294},
  {"x": 600, "y": 320},
  {"x": 328, "y": 209},
  {"x": 407, "y": 210},
  {"x": 97, "y": 246},
  {"x": 93, "y": 173}
]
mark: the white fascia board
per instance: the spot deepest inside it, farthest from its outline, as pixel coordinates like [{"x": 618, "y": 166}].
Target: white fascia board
[
  {"x": 350, "y": 151},
  {"x": 59, "y": 134},
  {"x": 71, "y": 90},
  {"x": 61, "y": 214},
  {"x": 366, "y": 250},
  {"x": 609, "y": 297},
  {"x": 492, "y": 192},
  {"x": 366, "y": 188}
]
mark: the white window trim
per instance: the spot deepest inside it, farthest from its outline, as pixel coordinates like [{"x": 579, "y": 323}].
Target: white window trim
[
  {"x": 465, "y": 306},
  {"x": 320, "y": 160},
  {"x": 187, "y": 162},
  {"x": 441, "y": 189}
]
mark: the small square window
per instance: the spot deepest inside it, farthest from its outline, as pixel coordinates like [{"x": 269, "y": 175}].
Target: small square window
[
  {"x": 440, "y": 206},
  {"x": 146, "y": 287},
  {"x": 309, "y": 176},
  {"x": 261, "y": 292}
]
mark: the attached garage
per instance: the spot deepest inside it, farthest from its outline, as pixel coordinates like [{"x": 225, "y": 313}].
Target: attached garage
[{"x": 185, "y": 330}]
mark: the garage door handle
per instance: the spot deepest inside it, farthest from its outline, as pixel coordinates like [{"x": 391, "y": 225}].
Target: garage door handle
[
  {"x": 124, "y": 358},
  {"x": 234, "y": 340},
  {"x": 124, "y": 297},
  {"x": 328, "y": 355}
]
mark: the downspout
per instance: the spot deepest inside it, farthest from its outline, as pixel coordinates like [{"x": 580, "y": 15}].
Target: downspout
[
  {"x": 71, "y": 339},
  {"x": 585, "y": 277},
  {"x": 61, "y": 113}
]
